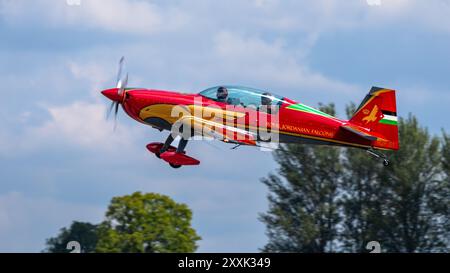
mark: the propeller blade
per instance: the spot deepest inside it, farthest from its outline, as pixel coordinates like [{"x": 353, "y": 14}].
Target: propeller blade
[
  {"x": 109, "y": 110},
  {"x": 123, "y": 85},
  {"x": 125, "y": 82},
  {"x": 116, "y": 110},
  {"x": 119, "y": 72}
]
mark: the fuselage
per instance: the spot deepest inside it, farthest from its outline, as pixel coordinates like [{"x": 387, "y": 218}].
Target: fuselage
[{"x": 293, "y": 122}]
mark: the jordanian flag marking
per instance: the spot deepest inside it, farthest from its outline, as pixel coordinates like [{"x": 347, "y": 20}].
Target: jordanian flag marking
[{"x": 389, "y": 119}]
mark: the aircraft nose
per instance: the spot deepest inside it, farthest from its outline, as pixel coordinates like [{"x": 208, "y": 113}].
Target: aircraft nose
[{"x": 112, "y": 94}]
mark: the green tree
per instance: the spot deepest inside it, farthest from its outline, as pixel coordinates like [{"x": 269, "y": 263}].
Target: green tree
[
  {"x": 303, "y": 213},
  {"x": 404, "y": 206},
  {"x": 147, "y": 223},
  {"x": 361, "y": 201},
  {"x": 415, "y": 205},
  {"x": 446, "y": 156},
  {"x": 362, "y": 198},
  {"x": 83, "y": 233},
  {"x": 446, "y": 183}
]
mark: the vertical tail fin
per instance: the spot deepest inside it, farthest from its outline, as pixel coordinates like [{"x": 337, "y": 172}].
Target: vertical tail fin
[{"x": 378, "y": 113}]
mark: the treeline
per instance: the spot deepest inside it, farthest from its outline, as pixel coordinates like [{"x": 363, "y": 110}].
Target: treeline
[
  {"x": 136, "y": 223},
  {"x": 330, "y": 199}
]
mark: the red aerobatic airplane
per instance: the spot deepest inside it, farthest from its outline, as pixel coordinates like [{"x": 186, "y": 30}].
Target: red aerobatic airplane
[{"x": 247, "y": 116}]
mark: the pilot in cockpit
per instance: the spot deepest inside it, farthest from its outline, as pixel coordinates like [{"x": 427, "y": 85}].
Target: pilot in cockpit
[
  {"x": 222, "y": 94},
  {"x": 266, "y": 103},
  {"x": 266, "y": 98}
]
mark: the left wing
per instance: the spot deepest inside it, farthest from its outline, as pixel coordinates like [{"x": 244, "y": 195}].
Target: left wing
[{"x": 359, "y": 132}]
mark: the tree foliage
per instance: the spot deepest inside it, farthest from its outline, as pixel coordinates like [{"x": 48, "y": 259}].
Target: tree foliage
[
  {"x": 134, "y": 223},
  {"x": 83, "y": 233},
  {"x": 147, "y": 223},
  {"x": 303, "y": 214},
  {"x": 330, "y": 199},
  {"x": 415, "y": 206}
]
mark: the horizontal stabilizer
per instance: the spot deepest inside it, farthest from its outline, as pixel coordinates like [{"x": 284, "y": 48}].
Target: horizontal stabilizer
[{"x": 356, "y": 131}]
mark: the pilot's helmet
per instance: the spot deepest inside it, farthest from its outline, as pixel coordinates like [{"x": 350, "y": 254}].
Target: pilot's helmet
[
  {"x": 222, "y": 93},
  {"x": 266, "y": 98}
]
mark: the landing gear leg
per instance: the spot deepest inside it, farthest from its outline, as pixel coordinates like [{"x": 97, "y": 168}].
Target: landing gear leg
[
  {"x": 180, "y": 149},
  {"x": 379, "y": 155},
  {"x": 166, "y": 145},
  {"x": 182, "y": 145}
]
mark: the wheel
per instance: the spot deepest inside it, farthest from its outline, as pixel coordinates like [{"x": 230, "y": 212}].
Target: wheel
[
  {"x": 158, "y": 154},
  {"x": 385, "y": 162},
  {"x": 175, "y": 166}
]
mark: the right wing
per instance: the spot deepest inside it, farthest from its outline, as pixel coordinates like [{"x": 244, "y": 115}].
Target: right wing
[{"x": 216, "y": 130}]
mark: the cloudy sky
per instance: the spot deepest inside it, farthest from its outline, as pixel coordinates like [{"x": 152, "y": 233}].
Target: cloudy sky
[{"x": 60, "y": 160}]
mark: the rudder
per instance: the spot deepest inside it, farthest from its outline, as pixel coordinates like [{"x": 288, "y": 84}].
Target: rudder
[{"x": 378, "y": 113}]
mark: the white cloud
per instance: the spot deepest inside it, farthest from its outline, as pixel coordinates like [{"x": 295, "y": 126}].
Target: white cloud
[
  {"x": 119, "y": 15},
  {"x": 79, "y": 121},
  {"x": 254, "y": 59},
  {"x": 431, "y": 15},
  {"x": 83, "y": 124},
  {"x": 147, "y": 17},
  {"x": 95, "y": 74},
  {"x": 329, "y": 15},
  {"x": 80, "y": 125},
  {"x": 141, "y": 17}
]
